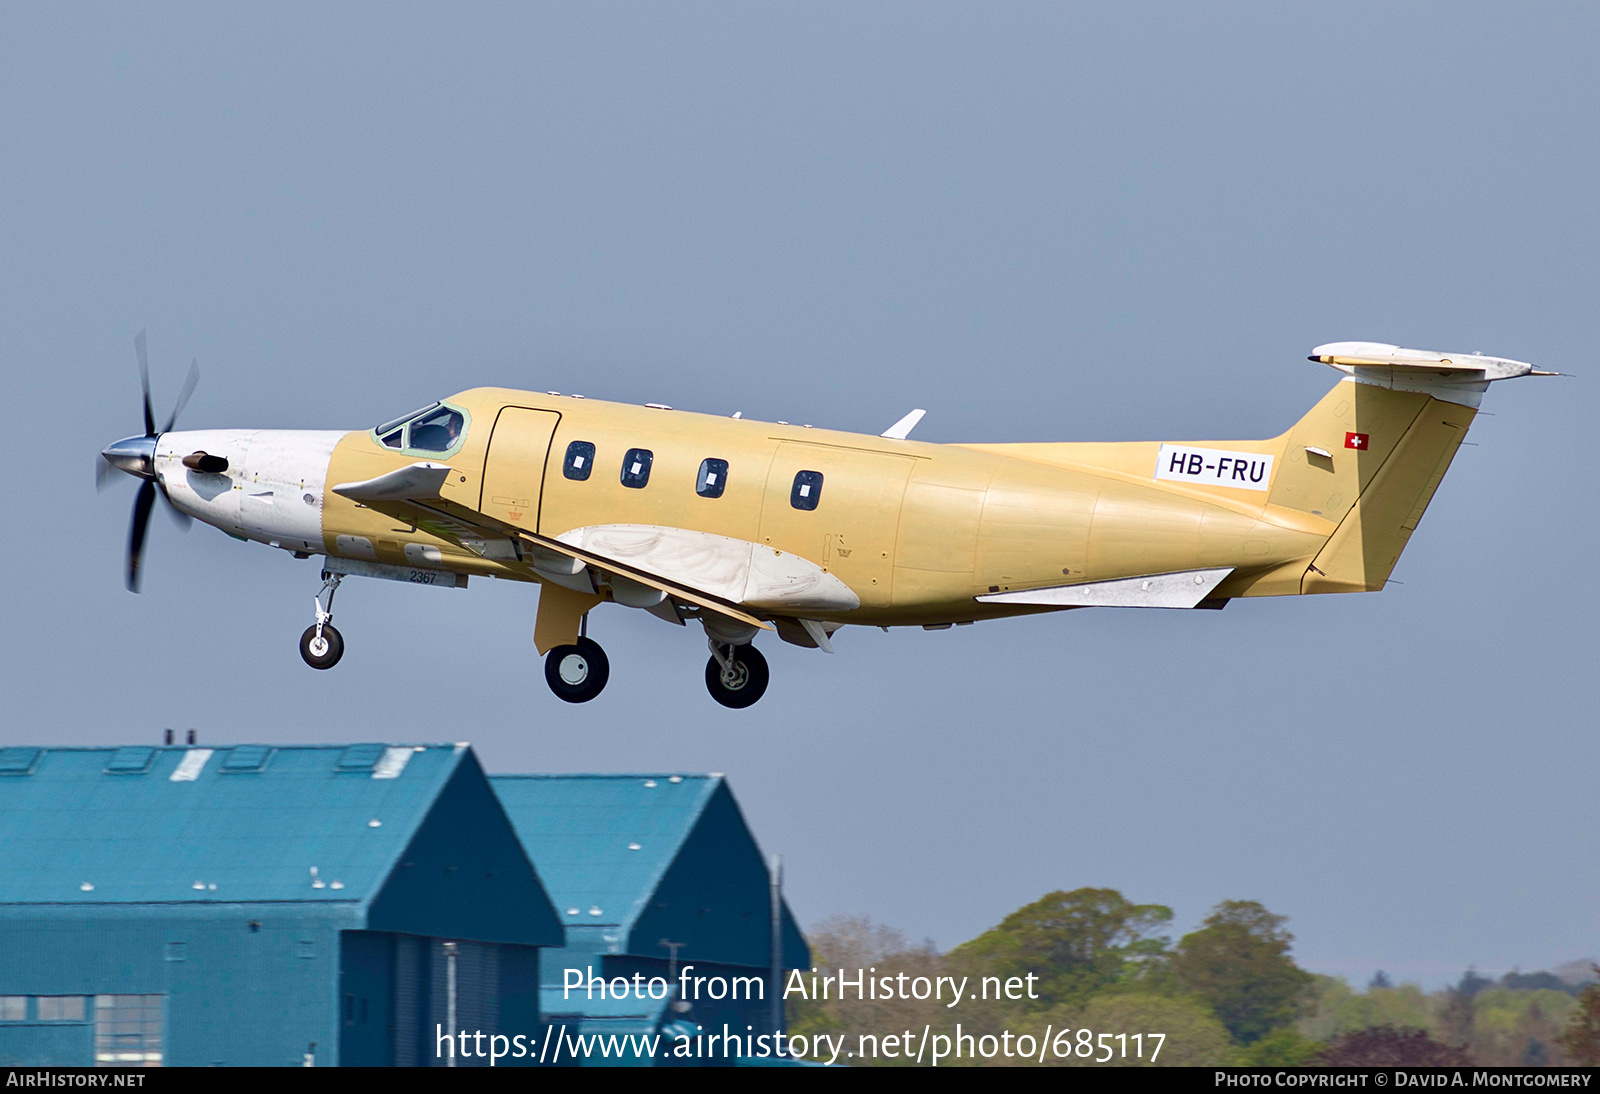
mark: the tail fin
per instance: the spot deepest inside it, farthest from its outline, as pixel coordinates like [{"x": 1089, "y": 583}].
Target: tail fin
[{"x": 1370, "y": 455}]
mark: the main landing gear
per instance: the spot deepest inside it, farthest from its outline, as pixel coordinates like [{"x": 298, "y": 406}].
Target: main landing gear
[
  {"x": 321, "y": 645},
  {"x": 736, "y": 676},
  {"x": 577, "y": 673}
]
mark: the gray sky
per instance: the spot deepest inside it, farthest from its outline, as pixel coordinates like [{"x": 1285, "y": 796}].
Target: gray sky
[{"x": 1048, "y": 222}]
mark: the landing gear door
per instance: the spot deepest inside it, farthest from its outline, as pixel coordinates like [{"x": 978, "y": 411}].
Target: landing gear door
[{"x": 513, "y": 473}]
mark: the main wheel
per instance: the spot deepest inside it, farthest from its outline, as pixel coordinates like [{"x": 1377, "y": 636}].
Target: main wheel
[
  {"x": 323, "y": 652},
  {"x": 742, "y": 682},
  {"x": 577, "y": 673}
]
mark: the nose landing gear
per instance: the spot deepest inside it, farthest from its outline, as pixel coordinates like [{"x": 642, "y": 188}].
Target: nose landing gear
[
  {"x": 321, "y": 646},
  {"x": 577, "y": 673},
  {"x": 736, "y": 676}
]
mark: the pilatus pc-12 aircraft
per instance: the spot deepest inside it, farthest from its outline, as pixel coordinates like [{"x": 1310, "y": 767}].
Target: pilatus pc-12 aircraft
[{"x": 744, "y": 526}]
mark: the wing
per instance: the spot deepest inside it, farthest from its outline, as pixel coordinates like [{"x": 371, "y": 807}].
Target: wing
[{"x": 411, "y": 494}]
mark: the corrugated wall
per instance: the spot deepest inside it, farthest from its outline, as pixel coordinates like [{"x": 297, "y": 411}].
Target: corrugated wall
[{"x": 238, "y": 984}]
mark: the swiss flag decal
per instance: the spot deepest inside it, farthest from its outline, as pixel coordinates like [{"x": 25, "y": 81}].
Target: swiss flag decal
[{"x": 1356, "y": 440}]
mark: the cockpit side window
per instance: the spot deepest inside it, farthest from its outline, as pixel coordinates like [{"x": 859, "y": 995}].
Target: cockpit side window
[
  {"x": 436, "y": 428},
  {"x": 436, "y": 431}
]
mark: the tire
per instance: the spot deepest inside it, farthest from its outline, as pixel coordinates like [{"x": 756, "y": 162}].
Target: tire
[
  {"x": 577, "y": 673},
  {"x": 324, "y": 654},
  {"x": 749, "y": 683}
]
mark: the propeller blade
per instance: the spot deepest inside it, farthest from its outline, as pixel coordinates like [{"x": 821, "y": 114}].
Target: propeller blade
[
  {"x": 179, "y": 517},
  {"x": 144, "y": 382},
  {"x": 183, "y": 396},
  {"x": 138, "y": 530},
  {"x": 103, "y": 472}
]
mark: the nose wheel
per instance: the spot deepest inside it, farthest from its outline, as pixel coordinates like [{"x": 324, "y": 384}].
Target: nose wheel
[
  {"x": 322, "y": 650},
  {"x": 736, "y": 676},
  {"x": 321, "y": 646},
  {"x": 577, "y": 673}
]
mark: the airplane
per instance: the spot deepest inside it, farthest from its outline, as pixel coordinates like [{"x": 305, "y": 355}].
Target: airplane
[{"x": 748, "y": 527}]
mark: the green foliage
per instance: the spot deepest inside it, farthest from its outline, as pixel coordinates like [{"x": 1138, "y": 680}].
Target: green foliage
[
  {"x": 1336, "y": 1009},
  {"x": 1581, "y": 1039},
  {"x": 1284, "y": 1047},
  {"x": 1076, "y": 943},
  {"x": 857, "y": 942},
  {"x": 1239, "y": 963},
  {"x": 1496, "y": 1026},
  {"x": 1229, "y": 993},
  {"x": 1518, "y": 1028},
  {"x": 1194, "y": 1037}
]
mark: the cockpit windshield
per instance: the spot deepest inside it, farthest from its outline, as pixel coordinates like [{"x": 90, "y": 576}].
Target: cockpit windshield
[
  {"x": 403, "y": 419},
  {"x": 434, "y": 428}
]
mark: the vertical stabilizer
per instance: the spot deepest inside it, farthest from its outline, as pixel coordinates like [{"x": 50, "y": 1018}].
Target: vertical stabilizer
[{"x": 1362, "y": 552}]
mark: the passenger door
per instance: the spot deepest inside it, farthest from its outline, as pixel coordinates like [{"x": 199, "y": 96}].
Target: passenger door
[{"x": 513, "y": 471}]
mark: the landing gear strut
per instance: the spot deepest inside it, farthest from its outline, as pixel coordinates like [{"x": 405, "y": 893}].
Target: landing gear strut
[
  {"x": 577, "y": 673},
  {"x": 322, "y": 646},
  {"x": 736, "y": 676}
]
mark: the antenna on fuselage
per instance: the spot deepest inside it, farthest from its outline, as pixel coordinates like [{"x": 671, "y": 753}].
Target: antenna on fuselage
[{"x": 902, "y": 429}]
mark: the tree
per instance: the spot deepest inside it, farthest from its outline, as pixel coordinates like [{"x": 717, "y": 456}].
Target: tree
[
  {"x": 1194, "y": 1037},
  {"x": 1076, "y": 943},
  {"x": 1285, "y": 1047},
  {"x": 1239, "y": 964},
  {"x": 1581, "y": 1041},
  {"x": 857, "y": 942},
  {"x": 1386, "y": 1046}
]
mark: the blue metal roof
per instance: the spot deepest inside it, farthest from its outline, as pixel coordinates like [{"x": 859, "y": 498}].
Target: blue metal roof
[
  {"x": 603, "y": 842},
  {"x": 633, "y": 861},
  {"x": 247, "y": 823}
]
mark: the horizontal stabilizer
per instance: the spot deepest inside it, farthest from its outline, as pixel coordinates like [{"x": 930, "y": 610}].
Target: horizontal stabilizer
[
  {"x": 1180, "y": 590},
  {"x": 1348, "y": 355}
]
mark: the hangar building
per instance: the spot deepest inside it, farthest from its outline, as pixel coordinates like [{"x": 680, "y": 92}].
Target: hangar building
[
  {"x": 259, "y": 905},
  {"x": 652, "y": 874}
]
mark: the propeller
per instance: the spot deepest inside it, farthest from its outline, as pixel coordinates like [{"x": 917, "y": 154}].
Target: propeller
[{"x": 136, "y": 456}]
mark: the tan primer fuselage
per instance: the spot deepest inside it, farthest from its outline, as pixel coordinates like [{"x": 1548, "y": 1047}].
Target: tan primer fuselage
[{"x": 920, "y": 530}]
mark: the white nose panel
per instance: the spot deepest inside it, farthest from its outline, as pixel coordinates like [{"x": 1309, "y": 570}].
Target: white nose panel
[
  {"x": 213, "y": 499},
  {"x": 272, "y": 490},
  {"x": 281, "y": 500}
]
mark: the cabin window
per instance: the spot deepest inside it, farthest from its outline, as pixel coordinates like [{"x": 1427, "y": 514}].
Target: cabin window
[
  {"x": 13, "y": 1008},
  {"x": 713, "y": 479},
  {"x": 636, "y": 467},
  {"x": 807, "y": 490},
  {"x": 579, "y": 461},
  {"x": 436, "y": 431}
]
